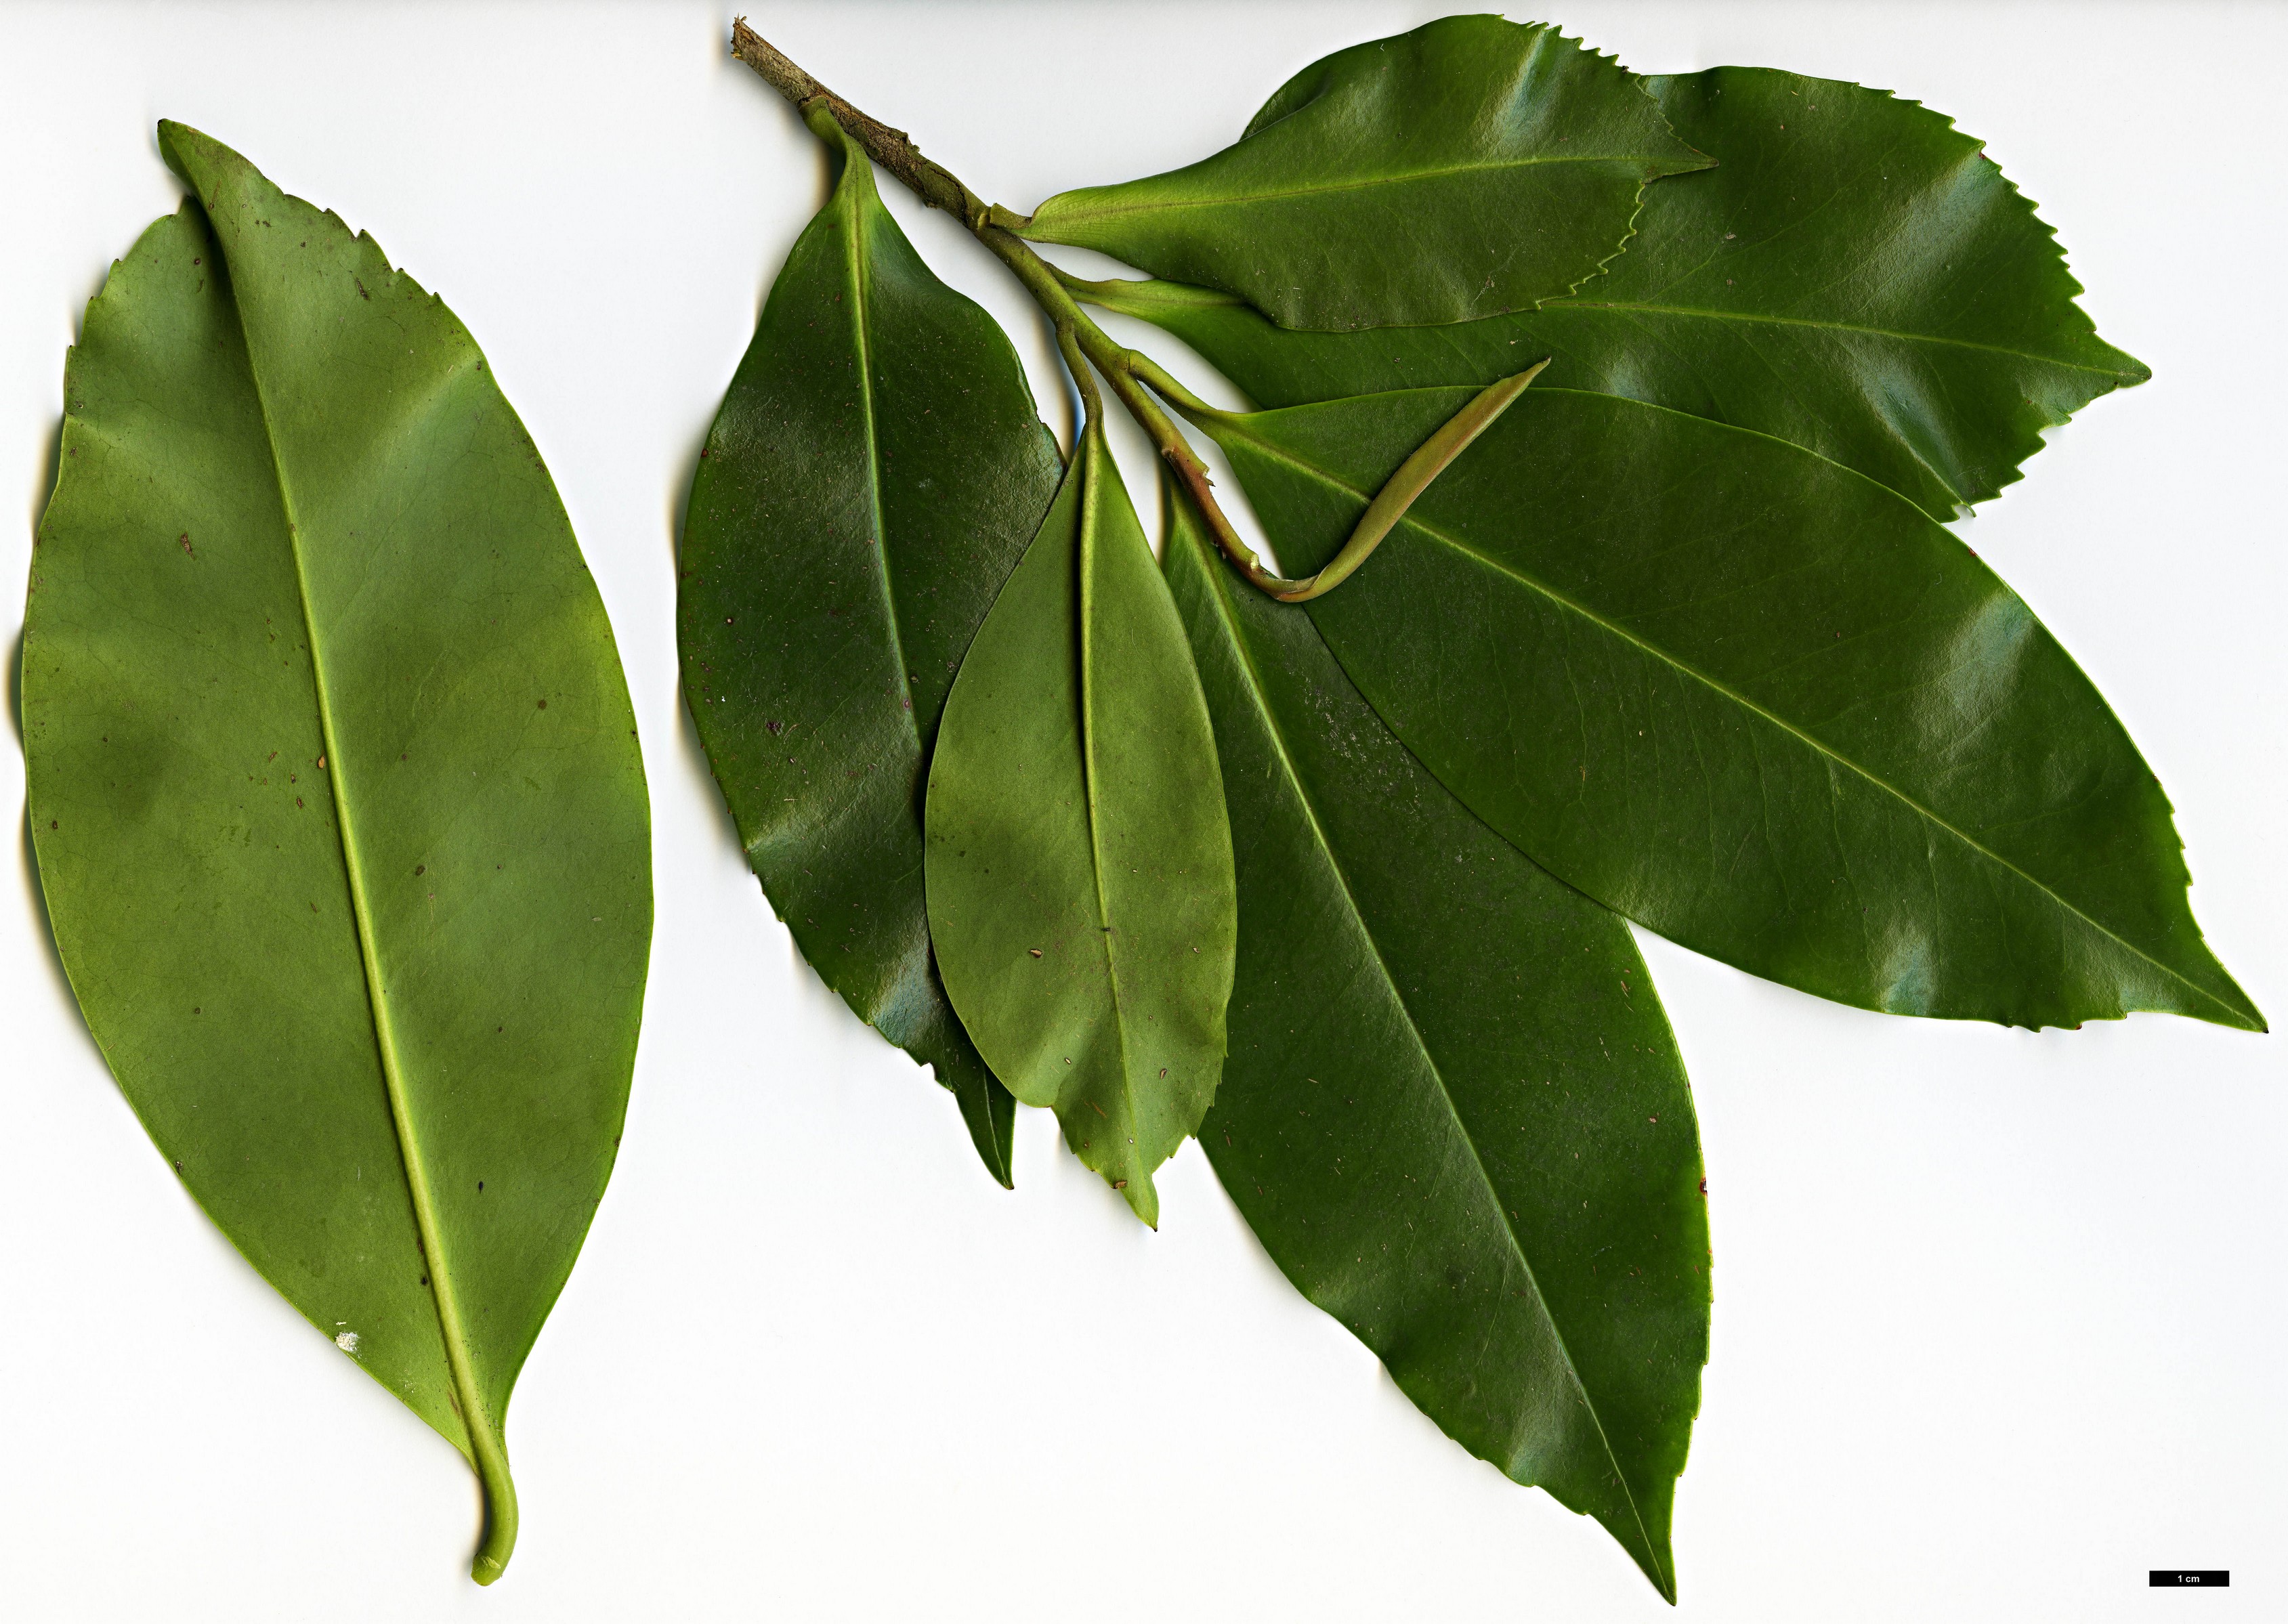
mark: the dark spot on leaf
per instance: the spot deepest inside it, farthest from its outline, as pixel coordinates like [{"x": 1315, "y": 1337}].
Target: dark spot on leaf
[
  {"x": 420, "y": 867},
  {"x": 544, "y": 704}
]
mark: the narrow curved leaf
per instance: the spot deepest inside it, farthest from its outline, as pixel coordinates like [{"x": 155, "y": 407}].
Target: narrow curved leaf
[
  {"x": 339, "y": 811},
  {"x": 874, "y": 475},
  {"x": 1856, "y": 276},
  {"x": 1080, "y": 889},
  {"x": 1453, "y": 1111},
  {"x": 1751, "y": 699},
  {"x": 1471, "y": 167}
]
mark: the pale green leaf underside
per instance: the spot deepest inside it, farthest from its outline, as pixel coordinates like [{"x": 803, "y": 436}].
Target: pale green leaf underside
[
  {"x": 340, "y": 815},
  {"x": 1078, "y": 859}
]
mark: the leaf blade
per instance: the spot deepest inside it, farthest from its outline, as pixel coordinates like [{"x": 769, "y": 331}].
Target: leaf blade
[
  {"x": 277, "y": 446},
  {"x": 1755, "y": 703},
  {"x": 1471, "y": 1049},
  {"x": 1343, "y": 206},
  {"x": 874, "y": 471},
  {"x": 1079, "y": 861},
  {"x": 1854, "y": 276}
]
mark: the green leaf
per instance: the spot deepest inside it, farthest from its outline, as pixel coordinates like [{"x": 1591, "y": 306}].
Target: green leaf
[
  {"x": 1751, "y": 699},
  {"x": 1080, "y": 885},
  {"x": 335, "y": 786},
  {"x": 1453, "y": 1112},
  {"x": 874, "y": 475},
  {"x": 1856, "y": 276},
  {"x": 1469, "y": 167}
]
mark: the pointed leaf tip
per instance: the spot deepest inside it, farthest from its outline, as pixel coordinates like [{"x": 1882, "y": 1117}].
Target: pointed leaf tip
[
  {"x": 1436, "y": 1204},
  {"x": 927, "y": 494},
  {"x": 1470, "y": 167},
  {"x": 415, "y": 1164},
  {"x": 1868, "y": 285},
  {"x": 1705, "y": 757},
  {"x": 1079, "y": 856}
]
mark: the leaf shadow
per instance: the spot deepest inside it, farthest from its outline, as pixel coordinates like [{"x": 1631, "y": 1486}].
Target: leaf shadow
[
  {"x": 43, "y": 926},
  {"x": 693, "y": 752},
  {"x": 26, "y": 854},
  {"x": 26, "y": 851},
  {"x": 51, "y": 469}
]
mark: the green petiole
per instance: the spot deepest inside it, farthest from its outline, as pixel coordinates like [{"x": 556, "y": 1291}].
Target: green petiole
[{"x": 1135, "y": 379}]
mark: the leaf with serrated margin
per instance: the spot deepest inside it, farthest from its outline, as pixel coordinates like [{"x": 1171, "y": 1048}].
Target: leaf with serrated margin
[
  {"x": 1856, "y": 276},
  {"x": 1452, "y": 1112},
  {"x": 874, "y": 473},
  {"x": 1751, "y": 699},
  {"x": 1471, "y": 167},
  {"x": 339, "y": 811}
]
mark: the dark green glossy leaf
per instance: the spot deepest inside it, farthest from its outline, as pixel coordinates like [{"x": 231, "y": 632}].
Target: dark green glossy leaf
[
  {"x": 1080, "y": 889},
  {"x": 1453, "y": 1111},
  {"x": 334, "y": 780},
  {"x": 874, "y": 475},
  {"x": 1856, "y": 276},
  {"x": 1469, "y": 167},
  {"x": 1751, "y": 700}
]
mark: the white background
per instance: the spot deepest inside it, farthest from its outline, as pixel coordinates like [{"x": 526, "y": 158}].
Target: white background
[{"x": 1998, "y": 1321}]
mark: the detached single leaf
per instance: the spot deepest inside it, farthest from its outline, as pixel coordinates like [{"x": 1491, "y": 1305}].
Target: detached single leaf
[
  {"x": 1471, "y": 167},
  {"x": 1080, "y": 882},
  {"x": 335, "y": 785},
  {"x": 1855, "y": 276},
  {"x": 1452, "y": 1112},
  {"x": 1751, "y": 699},
  {"x": 874, "y": 475}
]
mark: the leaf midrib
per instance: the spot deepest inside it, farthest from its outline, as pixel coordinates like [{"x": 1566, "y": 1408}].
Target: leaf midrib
[
  {"x": 1087, "y": 461},
  {"x": 1823, "y": 325},
  {"x": 1220, "y": 587},
  {"x": 476, "y": 1421},
  {"x": 1413, "y": 519},
  {"x": 857, "y": 255},
  {"x": 1331, "y": 188},
  {"x": 1211, "y": 298}
]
